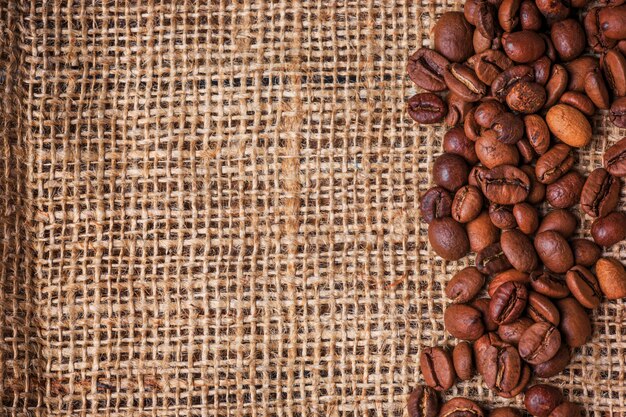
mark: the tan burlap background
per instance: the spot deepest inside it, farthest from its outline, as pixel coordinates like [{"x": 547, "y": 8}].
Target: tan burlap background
[{"x": 211, "y": 209}]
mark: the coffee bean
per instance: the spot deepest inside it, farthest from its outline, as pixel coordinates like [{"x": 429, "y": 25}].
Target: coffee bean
[
  {"x": 561, "y": 221},
  {"x": 553, "y": 10},
  {"x": 537, "y": 190},
  {"x": 435, "y": 204},
  {"x": 486, "y": 19},
  {"x": 548, "y": 284},
  {"x": 541, "y": 399},
  {"x": 502, "y": 367},
  {"x": 521, "y": 385},
  {"x": 482, "y": 345},
  {"x": 463, "y": 359},
  {"x": 565, "y": 192},
  {"x": 586, "y": 253},
  {"x": 530, "y": 16},
  {"x": 595, "y": 36},
  {"x": 470, "y": 10},
  {"x": 508, "y": 14},
  {"x": 467, "y": 204},
  {"x": 463, "y": 322},
  {"x": 492, "y": 260},
  {"x": 617, "y": 112},
  {"x": 526, "y": 152},
  {"x": 527, "y": 218},
  {"x": 423, "y": 402},
  {"x": 425, "y": 69},
  {"x": 482, "y": 305},
  {"x": 437, "y": 368},
  {"x": 509, "y": 128},
  {"x": 470, "y": 127},
  {"x": 537, "y": 133},
  {"x": 482, "y": 43},
  {"x": 600, "y": 194},
  {"x": 615, "y": 158},
  {"x": 610, "y": 229},
  {"x": 575, "y": 326},
  {"x": 526, "y": 97},
  {"x": 523, "y": 46},
  {"x": 461, "y": 407},
  {"x": 512, "y": 332},
  {"x": 539, "y": 343},
  {"x": 487, "y": 111},
  {"x": 508, "y": 78},
  {"x": 567, "y": 409},
  {"x": 482, "y": 232},
  {"x": 453, "y": 37},
  {"x": 476, "y": 175},
  {"x": 578, "y": 69},
  {"x": 502, "y": 216},
  {"x": 613, "y": 22},
  {"x": 519, "y": 250},
  {"x": 579, "y": 101},
  {"x": 568, "y": 38},
  {"x": 427, "y": 108},
  {"x": 492, "y": 153},
  {"x": 464, "y": 82},
  {"x": 506, "y": 184},
  {"x": 554, "y": 163},
  {"x": 457, "y": 109},
  {"x": 569, "y": 125},
  {"x": 505, "y": 412},
  {"x": 550, "y": 51},
  {"x": 508, "y": 302},
  {"x": 540, "y": 308},
  {"x": 450, "y": 171},
  {"x": 542, "y": 68},
  {"x": 554, "y": 251},
  {"x": 556, "y": 85},
  {"x": 465, "y": 285},
  {"x": 555, "y": 365},
  {"x": 510, "y": 275},
  {"x": 613, "y": 64},
  {"x": 611, "y": 278},
  {"x": 584, "y": 286},
  {"x": 489, "y": 64},
  {"x": 448, "y": 238},
  {"x": 455, "y": 141},
  {"x": 596, "y": 90}
]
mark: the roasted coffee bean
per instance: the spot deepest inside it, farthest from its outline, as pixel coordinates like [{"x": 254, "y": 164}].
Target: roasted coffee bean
[
  {"x": 482, "y": 305},
  {"x": 508, "y": 302},
  {"x": 526, "y": 97},
  {"x": 492, "y": 153},
  {"x": 465, "y": 285},
  {"x": 450, "y": 171},
  {"x": 555, "y": 365},
  {"x": 521, "y": 385},
  {"x": 453, "y": 37},
  {"x": 542, "y": 68},
  {"x": 512, "y": 332},
  {"x": 482, "y": 232},
  {"x": 579, "y": 101},
  {"x": 524, "y": 46},
  {"x": 448, "y": 238},
  {"x": 575, "y": 326},
  {"x": 530, "y": 16},
  {"x": 577, "y": 71},
  {"x": 561, "y": 221},
  {"x": 541, "y": 399},
  {"x": 540, "y": 308},
  {"x": 610, "y": 229},
  {"x": 505, "y": 412},
  {"x": 476, "y": 175},
  {"x": 613, "y": 64},
  {"x": 537, "y": 133},
  {"x": 567, "y": 409},
  {"x": 506, "y": 184},
  {"x": 584, "y": 286},
  {"x": 537, "y": 189},
  {"x": 613, "y": 22},
  {"x": 470, "y": 10},
  {"x": 482, "y": 43},
  {"x": 621, "y": 46},
  {"x": 502, "y": 367},
  {"x": 455, "y": 141},
  {"x": 548, "y": 284},
  {"x": 569, "y": 125},
  {"x": 463, "y": 322},
  {"x": 435, "y": 204},
  {"x": 470, "y": 127},
  {"x": 556, "y": 85},
  {"x": 502, "y": 216},
  {"x": 615, "y": 158},
  {"x": 596, "y": 90},
  {"x": 437, "y": 368},
  {"x": 461, "y": 407},
  {"x": 426, "y": 108},
  {"x": 457, "y": 109},
  {"x": 510, "y": 275},
  {"x": 617, "y": 113},
  {"x": 526, "y": 152},
  {"x": 489, "y": 64},
  {"x": 553, "y": 10},
  {"x": 595, "y": 36},
  {"x": 464, "y": 82},
  {"x": 508, "y": 78},
  {"x": 586, "y": 253},
  {"x": 527, "y": 218},
  {"x": 487, "y": 111},
  {"x": 425, "y": 69},
  {"x": 508, "y": 127},
  {"x": 508, "y": 14},
  {"x": 463, "y": 359},
  {"x": 492, "y": 260},
  {"x": 467, "y": 204},
  {"x": 568, "y": 38},
  {"x": 482, "y": 345},
  {"x": 423, "y": 402},
  {"x": 554, "y": 163},
  {"x": 519, "y": 250},
  {"x": 550, "y": 51},
  {"x": 539, "y": 343},
  {"x": 554, "y": 251},
  {"x": 600, "y": 194},
  {"x": 565, "y": 192},
  {"x": 611, "y": 278},
  {"x": 486, "y": 19}
]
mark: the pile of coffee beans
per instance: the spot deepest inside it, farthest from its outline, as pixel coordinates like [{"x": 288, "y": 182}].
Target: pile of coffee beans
[{"x": 517, "y": 81}]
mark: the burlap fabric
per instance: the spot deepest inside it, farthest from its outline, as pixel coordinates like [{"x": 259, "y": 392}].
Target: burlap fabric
[{"x": 212, "y": 209}]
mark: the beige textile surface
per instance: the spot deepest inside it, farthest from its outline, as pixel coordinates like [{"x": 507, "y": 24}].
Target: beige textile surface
[{"x": 210, "y": 208}]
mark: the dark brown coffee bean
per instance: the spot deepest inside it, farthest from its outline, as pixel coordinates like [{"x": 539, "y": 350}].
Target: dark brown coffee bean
[
  {"x": 554, "y": 251},
  {"x": 508, "y": 127},
  {"x": 526, "y": 97},
  {"x": 476, "y": 175},
  {"x": 548, "y": 284},
  {"x": 578, "y": 101},
  {"x": 539, "y": 343},
  {"x": 465, "y": 285},
  {"x": 553, "y": 10},
  {"x": 450, "y": 171},
  {"x": 486, "y": 20},
  {"x": 470, "y": 127},
  {"x": 615, "y": 158},
  {"x": 556, "y": 86},
  {"x": 554, "y": 163},
  {"x": 524, "y": 46},
  {"x": 502, "y": 367},
  {"x": 502, "y": 216},
  {"x": 435, "y": 204},
  {"x": 586, "y": 252},
  {"x": 464, "y": 82},
  {"x": 437, "y": 368},
  {"x": 508, "y": 78},
  {"x": 457, "y": 109},
  {"x": 492, "y": 260},
  {"x": 584, "y": 286},
  {"x": 537, "y": 133},
  {"x": 565, "y": 192},
  {"x": 526, "y": 151},
  {"x": 617, "y": 113},
  {"x": 561, "y": 221},
  {"x": 577, "y": 71},
  {"x": 521, "y": 385},
  {"x": 512, "y": 332},
  {"x": 461, "y": 407},
  {"x": 448, "y": 238},
  {"x": 555, "y": 365},
  {"x": 596, "y": 90},
  {"x": 506, "y": 184},
  {"x": 426, "y": 108},
  {"x": 510, "y": 275},
  {"x": 505, "y": 412},
  {"x": 540, "y": 308},
  {"x": 530, "y": 16},
  {"x": 613, "y": 22},
  {"x": 542, "y": 69},
  {"x": 463, "y": 322},
  {"x": 425, "y": 69},
  {"x": 455, "y": 141},
  {"x": 453, "y": 37},
  {"x": 611, "y": 277},
  {"x": 614, "y": 66},
  {"x": 423, "y": 402},
  {"x": 541, "y": 399},
  {"x": 463, "y": 359},
  {"x": 527, "y": 218},
  {"x": 595, "y": 36},
  {"x": 519, "y": 250},
  {"x": 610, "y": 229},
  {"x": 467, "y": 204},
  {"x": 482, "y": 305},
  {"x": 487, "y": 111},
  {"x": 482, "y": 232},
  {"x": 600, "y": 194},
  {"x": 575, "y": 326},
  {"x": 508, "y": 14},
  {"x": 567, "y": 409},
  {"x": 537, "y": 189},
  {"x": 508, "y": 302},
  {"x": 492, "y": 153},
  {"x": 568, "y": 38}
]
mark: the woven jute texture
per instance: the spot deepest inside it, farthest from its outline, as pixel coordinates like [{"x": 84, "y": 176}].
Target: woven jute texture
[{"x": 211, "y": 208}]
